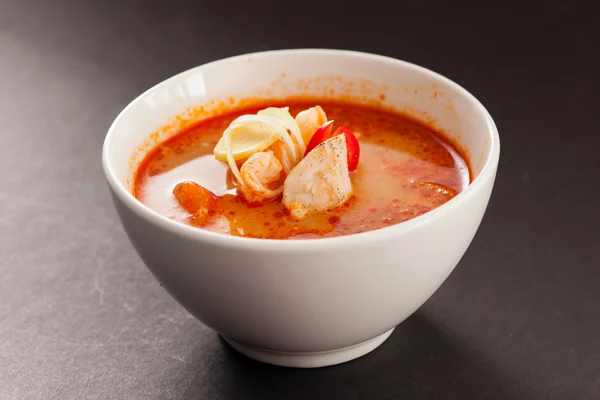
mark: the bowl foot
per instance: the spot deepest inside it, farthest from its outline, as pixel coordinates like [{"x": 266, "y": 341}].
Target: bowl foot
[{"x": 310, "y": 360}]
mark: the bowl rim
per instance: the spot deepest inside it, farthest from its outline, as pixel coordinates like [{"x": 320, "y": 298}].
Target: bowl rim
[{"x": 338, "y": 242}]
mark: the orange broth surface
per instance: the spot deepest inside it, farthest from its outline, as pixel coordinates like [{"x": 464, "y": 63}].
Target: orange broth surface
[{"x": 405, "y": 169}]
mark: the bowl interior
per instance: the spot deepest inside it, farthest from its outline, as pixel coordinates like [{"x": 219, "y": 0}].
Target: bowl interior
[{"x": 328, "y": 74}]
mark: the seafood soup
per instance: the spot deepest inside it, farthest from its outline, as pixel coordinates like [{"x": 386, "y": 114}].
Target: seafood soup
[{"x": 301, "y": 170}]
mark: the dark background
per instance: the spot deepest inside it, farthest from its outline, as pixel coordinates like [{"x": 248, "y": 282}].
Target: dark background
[{"x": 81, "y": 317}]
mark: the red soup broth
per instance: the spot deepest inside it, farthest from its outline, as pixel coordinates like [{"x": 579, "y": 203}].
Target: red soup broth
[{"x": 405, "y": 169}]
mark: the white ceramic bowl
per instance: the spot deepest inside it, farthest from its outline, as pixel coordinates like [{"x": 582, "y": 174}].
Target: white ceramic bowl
[{"x": 303, "y": 303}]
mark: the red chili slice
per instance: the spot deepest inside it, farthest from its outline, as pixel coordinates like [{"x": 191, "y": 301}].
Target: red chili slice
[
  {"x": 324, "y": 133},
  {"x": 351, "y": 145},
  {"x": 321, "y": 135}
]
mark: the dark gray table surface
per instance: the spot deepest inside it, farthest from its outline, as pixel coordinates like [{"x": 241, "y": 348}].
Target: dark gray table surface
[{"x": 81, "y": 317}]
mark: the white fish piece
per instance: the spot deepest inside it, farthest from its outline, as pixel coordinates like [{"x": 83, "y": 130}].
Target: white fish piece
[{"x": 321, "y": 181}]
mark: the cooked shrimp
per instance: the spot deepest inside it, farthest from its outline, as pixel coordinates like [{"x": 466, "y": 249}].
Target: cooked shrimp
[
  {"x": 310, "y": 120},
  {"x": 264, "y": 166},
  {"x": 197, "y": 200},
  {"x": 267, "y": 124},
  {"x": 320, "y": 181},
  {"x": 282, "y": 152},
  {"x": 258, "y": 174}
]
